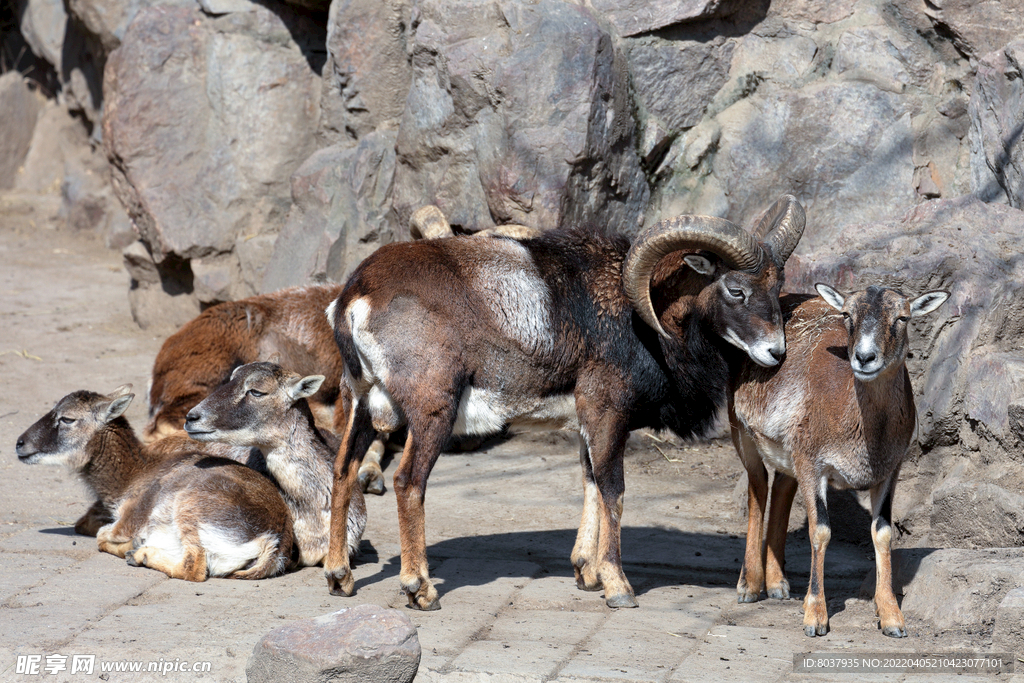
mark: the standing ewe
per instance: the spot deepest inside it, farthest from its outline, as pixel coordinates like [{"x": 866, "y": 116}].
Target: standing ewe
[{"x": 840, "y": 411}]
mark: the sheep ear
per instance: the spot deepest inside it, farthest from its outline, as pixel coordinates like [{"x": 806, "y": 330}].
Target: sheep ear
[
  {"x": 927, "y": 302},
  {"x": 831, "y": 296},
  {"x": 305, "y": 387},
  {"x": 122, "y": 390},
  {"x": 700, "y": 264},
  {"x": 116, "y": 408}
]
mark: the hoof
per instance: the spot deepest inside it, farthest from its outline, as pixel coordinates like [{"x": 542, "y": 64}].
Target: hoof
[
  {"x": 747, "y": 596},
  {"x": 623, "y": 600},
  {"x": 343, "y": 585},
  {"x": 780, "y": 592},
  {"x": 894, "y": 631},
  {"x": 585, "y": 583},
  {"x": 372, "y": 481},
  {"x": 130, "y": 559},
  {"x": 810, "y": 630},
  {"x": 423, "y": 604}
]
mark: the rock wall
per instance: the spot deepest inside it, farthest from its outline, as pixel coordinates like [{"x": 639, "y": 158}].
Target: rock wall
[{"x": 251, "y": 146}]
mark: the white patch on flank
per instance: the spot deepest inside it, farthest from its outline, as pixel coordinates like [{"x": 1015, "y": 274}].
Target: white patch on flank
[
  {"x": 517, "y": 296},
  {"x": 482, "y": 412},
  {"x": 165, "y": 537},
  {"x": 371, "y": 354},
  {"x": 224, "y": 553},
  {"x": 332, "y": 312},
  {"x": 384, "y": 412}
]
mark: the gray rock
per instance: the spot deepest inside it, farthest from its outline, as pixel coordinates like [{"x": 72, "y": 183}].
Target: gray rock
[
  {"x": 845, "y": 149},
  {"x": 56, "y": 136},
  {"x": 675, "y": 81},
  {"x": 977, "y": 28},
  {"x": 995, "y": 380},
  {"x": 205, "y": 120},
  {"x": 363, "y": 643},
  {"x": 107, "y": 20},
  {"x": 341, "y": 199},
  {"x": 227, "y": 6},
  {"x": 43, "y": 24},
  {"x": 19, "y": 108},
  {"x": 997, "y": 120},
  {"x": 367, "y": 75},
  {"x": 1009, "y": 632},
  {"x": 631, "y": 17},
  {"x": 518, "y": 113},
  {"x": 967, "y": 513},
  {"x": 953, "y": 588},
  {"x": 812, "y": 11}
]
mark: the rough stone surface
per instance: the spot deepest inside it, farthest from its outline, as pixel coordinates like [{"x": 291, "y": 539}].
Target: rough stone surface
[
  {"x": 951, "y": 587},
  {"x": 967, "y": 513},
  {"x": 517, "y": 114},
  {"x": 630, "y": 17},
  {"x": 341, "y": 198},
  {"x": 43, "y": 23},
  {"x": 198, "y": 172},
  {"x": 19, "y": 108},
  {"x": 997, "y": 117},
  {"x": 367, "y": 75},
  {"x": 363, "y": 643},
  {"x": 1009, "y": 631},
  {"x": 977, "y": 28}
]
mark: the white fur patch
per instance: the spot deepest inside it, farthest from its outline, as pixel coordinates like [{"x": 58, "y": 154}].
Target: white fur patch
[
  {"x": 517, "y": 296},
  {"x": 371, "y": 354},
  {"x": 225, "y": 554},
  {"x": 384, "y": 412},
  {"x": 483, "y": 412},
  {"x": 332, "y": 312}
]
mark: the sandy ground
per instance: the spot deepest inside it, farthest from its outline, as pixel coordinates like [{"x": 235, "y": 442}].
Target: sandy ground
[{"x": 500, "y": 526}]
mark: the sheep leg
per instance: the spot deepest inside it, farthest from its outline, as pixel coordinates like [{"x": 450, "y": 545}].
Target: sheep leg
[
  {"x": 751, "y": 582},
  {"x": 422, "y": 448},
  {"x": 607, "y": 441},
  {"x": 112, "y": 539},
  {"x": 815, "y": 607},
  {"x": 371, "y": 477},
  {"x": 890, "y": 617},
  {"x": 192, "y": 567},
  {"x": 358, "y": 434},
  {"x": 584, "y": 553},
  {"x": 783, "y": 490},
  {"x": 95, "y": 517}
]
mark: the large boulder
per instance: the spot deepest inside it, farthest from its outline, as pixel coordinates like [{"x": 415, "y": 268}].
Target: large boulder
[
  {"x": 205, "y": 120},
  {"x": 367, "y": 75},
  {"x": 43, "y": 24},
  {"x": 997, "y": 117},
  {"x": 630, "y": 17},
  {"x": 977, "y": 28},
  {"x": 357, "y": 644},
  {"x": 341, "y": 199},
  {"x": 19, "y": 109},
  {"x": 518, "y": 113}
]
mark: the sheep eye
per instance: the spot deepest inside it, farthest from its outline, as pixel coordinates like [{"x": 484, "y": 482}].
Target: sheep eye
[
  {"x": 736, "y": 293},
  {"x": 903, "y": 318},
  {"x": 846, "y": 316},
  {"x": 256, "y": 393},
  {"x": 67, "y": 420}
]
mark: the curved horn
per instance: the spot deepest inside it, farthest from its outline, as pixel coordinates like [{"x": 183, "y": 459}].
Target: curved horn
[
  {"x": 781, "y": 227},
  {"x": 428, "y": 222},
  {"x": 732, "y": 243}
]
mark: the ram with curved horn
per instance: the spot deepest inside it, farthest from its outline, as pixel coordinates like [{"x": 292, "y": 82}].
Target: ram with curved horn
[{"x": 568, "y": 330}]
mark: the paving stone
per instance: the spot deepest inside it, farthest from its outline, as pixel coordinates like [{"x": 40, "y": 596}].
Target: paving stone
[
  {"x": 362, "y": 643},
  {"x": 629, "y": 655},
  {"x": 518, "y": 657},
  {"x": 545, "y": 626},
  {"x": 735, "y": 653},
  {"x": 1009, "y": 631},
  {"x": 21, "y": 571},
  {"x": 559, "y": 593}
]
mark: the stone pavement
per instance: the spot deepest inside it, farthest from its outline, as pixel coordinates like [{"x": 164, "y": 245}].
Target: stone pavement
[{"x": 500, "y": 526}]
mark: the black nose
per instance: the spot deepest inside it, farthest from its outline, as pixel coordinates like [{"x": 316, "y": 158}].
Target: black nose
[
  {"x": 864, "y": 358},
  {"x": 20, "y": 444},
  {"x": 777, "y": 355},
  {"x": 192, "y": 416}
]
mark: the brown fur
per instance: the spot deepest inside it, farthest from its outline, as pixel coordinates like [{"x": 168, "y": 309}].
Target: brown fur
[
  {"x": 199, "y": 357},
  {"x": 264, "y": 406},
  {"x": 817, "y": 424},
  {"x": 164, "y": 493}
]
